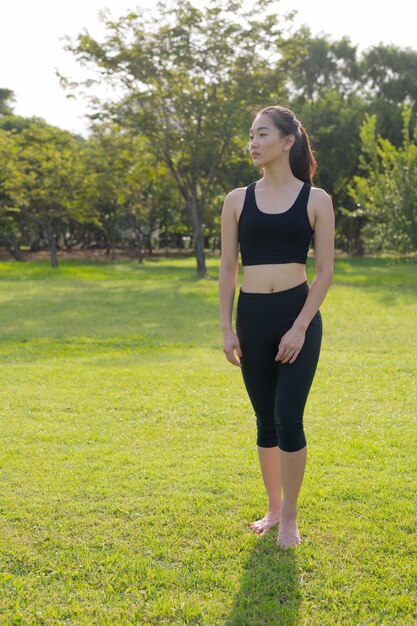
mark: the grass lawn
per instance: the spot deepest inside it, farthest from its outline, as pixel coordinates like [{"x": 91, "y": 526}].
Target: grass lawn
[{"x": 129, "y": 469}]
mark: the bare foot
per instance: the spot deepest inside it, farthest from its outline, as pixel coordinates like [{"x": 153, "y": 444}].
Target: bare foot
[
  {"x": 261, "y": 526},
  {"x": 288, "y": 534}
]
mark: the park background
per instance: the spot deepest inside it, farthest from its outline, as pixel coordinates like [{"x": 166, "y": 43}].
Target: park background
[{"x": 129, "y": 468}]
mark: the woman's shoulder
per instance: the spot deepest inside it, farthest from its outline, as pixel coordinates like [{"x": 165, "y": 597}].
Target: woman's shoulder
[
  {"x": 237, "y": 195},
  {"x": 321, "y": 201},
  {"x": 239, "y": 190},
  {"x": 234, "y": 201},
  {"x": 319, "y": 192}
]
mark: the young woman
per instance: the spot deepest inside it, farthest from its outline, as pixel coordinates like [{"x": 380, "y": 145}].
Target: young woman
[{"x": 278, "y": 321}]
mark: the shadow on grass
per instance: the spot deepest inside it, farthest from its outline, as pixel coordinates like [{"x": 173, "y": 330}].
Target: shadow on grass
[
  {"x": 269, "y": 593},
  {"x": 388, "y": 295},
  {"x": 159, "y": 313},
  {"x": 375, "y": 272},
  {"x": 86, "y": 308}
]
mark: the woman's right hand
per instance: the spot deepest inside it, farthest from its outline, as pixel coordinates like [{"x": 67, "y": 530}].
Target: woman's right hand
[{"x": 231, "y": 343}]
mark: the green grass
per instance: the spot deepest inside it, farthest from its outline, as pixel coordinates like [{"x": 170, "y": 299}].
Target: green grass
[{"x": 129, "y": 470}]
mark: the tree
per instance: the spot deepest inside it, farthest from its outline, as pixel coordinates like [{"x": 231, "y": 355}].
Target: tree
[
  {"x": 10, "y": 224},
  {"x": 315, "y": 65},
  {"x": 127, "y": 188},
  {"x": 386, "y": 193},
  {"x": 388, "y": 81},
  {"x": 6, "y": 98},
  {"x": 390, "y": 72},
  {"x": 191, "y": 79},
  {"x": 38, "y": 177}
]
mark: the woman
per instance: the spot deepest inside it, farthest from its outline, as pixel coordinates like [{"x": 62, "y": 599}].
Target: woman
[{"x": 278, "y": 321}]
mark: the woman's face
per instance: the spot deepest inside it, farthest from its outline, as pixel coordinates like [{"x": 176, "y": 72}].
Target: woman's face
[{"x": 266, "y": 142}]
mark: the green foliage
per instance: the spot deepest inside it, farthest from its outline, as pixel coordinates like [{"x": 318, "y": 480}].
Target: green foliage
[
  {"x": 389, "y": 72},
  {"x": 333, "y": 122},
  {"x": 190, "y": 80},
  {"x": 315, "y": 65},
  {"x": 163, "y": 153},
  {"x": 386, "y": 192},
  {"x": 11, "y": 225},
  {"x": 6, "y": 98},
  {"x": 38, "y": 170},
  {"x": 129, "y": 190}
]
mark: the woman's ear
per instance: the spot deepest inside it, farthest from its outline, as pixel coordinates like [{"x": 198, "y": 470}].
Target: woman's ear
[{"x": 289, "y": 141}]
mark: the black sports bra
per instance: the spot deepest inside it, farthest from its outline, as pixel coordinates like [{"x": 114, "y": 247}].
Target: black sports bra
[{"x": 274, "y": 237}]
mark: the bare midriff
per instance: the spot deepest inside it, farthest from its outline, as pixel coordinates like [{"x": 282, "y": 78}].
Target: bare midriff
[{"x": 274, "y": 277}]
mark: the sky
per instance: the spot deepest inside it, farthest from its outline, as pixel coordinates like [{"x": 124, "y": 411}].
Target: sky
[{"x": 32, "y": 44}]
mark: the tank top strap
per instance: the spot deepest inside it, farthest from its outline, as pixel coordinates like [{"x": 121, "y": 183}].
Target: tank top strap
[
  {"x": 249, "y": 202},
  {"x": 302, "y": 200},
  {"x": 300, "y": 205},
  {"x": 250, "y": 194}
]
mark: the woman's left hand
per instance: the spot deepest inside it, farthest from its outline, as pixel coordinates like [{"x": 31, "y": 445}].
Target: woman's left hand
[{"x": 290, "y": 345}]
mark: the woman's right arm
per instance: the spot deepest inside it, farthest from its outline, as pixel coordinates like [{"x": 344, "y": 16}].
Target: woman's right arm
[{"x": 228, "y": 276}]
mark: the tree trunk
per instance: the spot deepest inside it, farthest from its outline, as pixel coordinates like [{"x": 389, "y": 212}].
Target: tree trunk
[
  {"x": 139, "y": 244},
  {"x": 197, "y": 218},
  {"x": 110, "y": 248},
  {"x": 51, "y": 239},
  {"x": 12, "y": 246},
  {"x": 150, "y": 248},
  {"x": 358, "y": 245}
]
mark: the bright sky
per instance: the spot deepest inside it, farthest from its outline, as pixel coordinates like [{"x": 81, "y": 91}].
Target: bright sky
[{"x": 31, "y": 45}]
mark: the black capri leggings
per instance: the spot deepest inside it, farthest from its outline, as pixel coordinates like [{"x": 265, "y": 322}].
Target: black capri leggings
[{"x": 278, "y": 391}]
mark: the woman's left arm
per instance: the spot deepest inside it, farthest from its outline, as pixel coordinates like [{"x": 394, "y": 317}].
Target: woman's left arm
[{"x": 324, "y": 231}]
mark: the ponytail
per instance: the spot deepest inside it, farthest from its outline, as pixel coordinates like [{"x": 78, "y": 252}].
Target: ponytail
[{"x": 302, "y": 162}]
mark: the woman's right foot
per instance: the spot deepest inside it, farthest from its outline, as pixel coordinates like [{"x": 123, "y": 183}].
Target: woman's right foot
[{"x": 261, "y": 526}]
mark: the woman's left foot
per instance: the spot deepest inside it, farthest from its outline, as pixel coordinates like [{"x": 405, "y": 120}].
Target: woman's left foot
[
  {"x": 289, "y": 538},
  {"x": 288, "y": 534}
]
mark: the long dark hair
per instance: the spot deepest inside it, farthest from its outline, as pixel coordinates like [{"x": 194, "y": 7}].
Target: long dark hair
[{"x": 302, "y": 162}]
